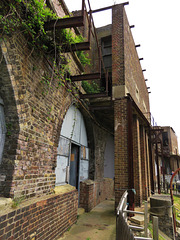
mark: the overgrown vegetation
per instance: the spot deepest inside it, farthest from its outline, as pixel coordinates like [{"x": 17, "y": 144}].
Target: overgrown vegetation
[
  {"x": 177, "y": 206},
  {"x": 29, "y": 17},
  {"x": 92, "y": 87},
  {"x": 17, "y": 201}
]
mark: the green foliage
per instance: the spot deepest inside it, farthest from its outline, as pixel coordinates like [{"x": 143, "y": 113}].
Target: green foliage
[
  {"x": 91, "y": 87},
  {"x": 29, "y": 17},
  {"x": 17, "y": 201},
  {"x": 83, "y": 57}
]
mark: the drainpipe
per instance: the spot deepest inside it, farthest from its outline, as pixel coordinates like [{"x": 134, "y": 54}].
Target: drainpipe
[{"x": 172, "y": 199}]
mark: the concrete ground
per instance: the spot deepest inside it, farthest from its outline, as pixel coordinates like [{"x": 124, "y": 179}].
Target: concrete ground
[{"x": 99, "y": 224}]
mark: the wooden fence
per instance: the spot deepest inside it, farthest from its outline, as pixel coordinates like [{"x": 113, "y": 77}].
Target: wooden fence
[{"x": 124, "y": 230}]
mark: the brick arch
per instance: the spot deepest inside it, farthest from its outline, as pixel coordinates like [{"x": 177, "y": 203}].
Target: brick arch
[
  {"x": 89, "y": 130},
  {"x": 12, "y": 127}
]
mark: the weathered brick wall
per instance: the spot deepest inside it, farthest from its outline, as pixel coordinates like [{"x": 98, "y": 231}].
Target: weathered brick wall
[
  {"x": 34, "y": 111},
  {"x": 100, "y": 139},
  {"x": 94, "y": 192},
  {"x": 42, "y": 220},
  {"x": 134, "y": 78}
]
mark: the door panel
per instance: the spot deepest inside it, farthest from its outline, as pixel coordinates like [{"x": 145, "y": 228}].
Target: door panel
[{"x": 74, "y": 166}]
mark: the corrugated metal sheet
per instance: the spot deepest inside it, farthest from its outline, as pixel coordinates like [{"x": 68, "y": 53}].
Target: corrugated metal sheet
[
  {"x": 63, "y": 147},
  {"x": 62, "y": 163},
  {"x": 73, "y": 126},
  {"x": 84, "y": 170},
  {"x": 73, "y": 131}
]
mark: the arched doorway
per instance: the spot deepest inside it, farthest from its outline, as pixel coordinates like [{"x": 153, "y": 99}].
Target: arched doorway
[{"x": 72, "y": 153}]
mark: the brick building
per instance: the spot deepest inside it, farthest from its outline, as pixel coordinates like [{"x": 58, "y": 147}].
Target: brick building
[
  {"x": 166, "y": 155},
  {"x": 62, "y": 147}
]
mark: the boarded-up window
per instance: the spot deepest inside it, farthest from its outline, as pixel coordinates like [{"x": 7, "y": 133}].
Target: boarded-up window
[{"x": 2, "y": 128}]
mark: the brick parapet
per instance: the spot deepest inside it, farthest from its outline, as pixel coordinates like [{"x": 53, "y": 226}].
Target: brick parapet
[
  {"x": 94, "y": 192},
  {"x": 43, "y": 219}
]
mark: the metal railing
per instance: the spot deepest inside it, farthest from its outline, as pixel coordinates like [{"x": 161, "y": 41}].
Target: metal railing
[{"x": 123, "y": 229}]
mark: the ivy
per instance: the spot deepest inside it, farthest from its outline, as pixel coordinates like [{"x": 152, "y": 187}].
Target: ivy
[
  {"x": 91, "y": 87},
  {"x": 27, "y": 16}
]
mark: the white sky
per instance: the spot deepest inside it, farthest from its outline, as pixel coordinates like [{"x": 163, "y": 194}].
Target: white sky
[{"x": 157, "y": 30}]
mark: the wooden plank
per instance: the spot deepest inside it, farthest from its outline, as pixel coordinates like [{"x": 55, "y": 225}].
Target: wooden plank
[
  {"x": 64, "y": 23},
  {"x": 146, "y": 219},
  {"x": 155, "y": 228},
  {"x": 83, "y": 77}
]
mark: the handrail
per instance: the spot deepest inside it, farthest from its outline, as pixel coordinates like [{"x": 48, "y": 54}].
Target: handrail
[{"x": 122, "y": 208}]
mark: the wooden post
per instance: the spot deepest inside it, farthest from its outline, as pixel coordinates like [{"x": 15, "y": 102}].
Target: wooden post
[
  {"x": 155, "y": 228},
  {"x": 146, "y": 218}
]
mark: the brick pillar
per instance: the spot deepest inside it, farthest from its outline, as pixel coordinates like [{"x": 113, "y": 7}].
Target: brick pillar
[
  {"x": 137, "y": 161},
  {"x": 117, "y": 46},
  {"x": 121, "y": 148},
  {"x": 144, "y": 163}
]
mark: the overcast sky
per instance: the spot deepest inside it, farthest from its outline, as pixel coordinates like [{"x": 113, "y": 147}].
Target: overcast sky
[{"x": 157, "y": 30}]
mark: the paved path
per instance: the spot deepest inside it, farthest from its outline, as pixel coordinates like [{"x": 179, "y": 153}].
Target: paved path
[{"x": 99, "y": 224}]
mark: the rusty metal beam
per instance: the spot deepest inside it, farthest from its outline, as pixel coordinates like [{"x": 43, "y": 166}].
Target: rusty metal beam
[
  {"x": 83, "y": 77},
  {"x": 93, "y": 95},
  {"x": 96, "y": 108},
  {"x": 64, "y": 23},
  {"x": 78, "y": 47},
  {"x": 109, "y": 7}
]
